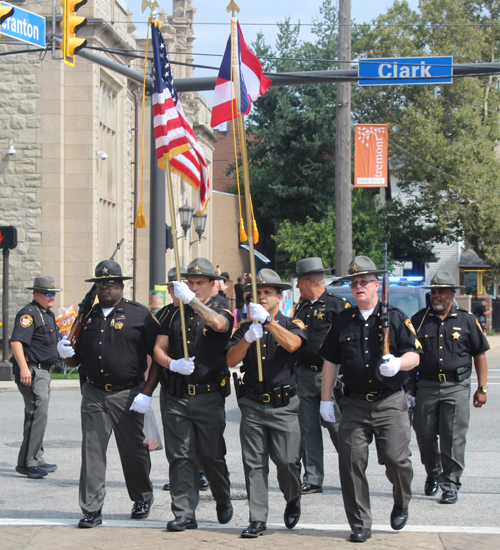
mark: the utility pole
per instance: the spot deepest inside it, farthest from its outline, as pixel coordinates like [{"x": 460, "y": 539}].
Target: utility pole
[{"x": 343, "y": 192}]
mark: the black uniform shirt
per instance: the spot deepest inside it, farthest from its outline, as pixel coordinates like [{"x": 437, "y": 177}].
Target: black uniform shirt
[
  {"x": 278, "y": 365},
  {"x": 450, "y": 343},
  {"x": 222, "y": 301},
  {"x": 356, "y": 345},
  {"x": 113, "y": 350},
  {"x": 36, "y": 328},
  {"x": 239, "y": 295},
  {"x": 203, "y": 342},
  {"x": 317, "y": 318}
]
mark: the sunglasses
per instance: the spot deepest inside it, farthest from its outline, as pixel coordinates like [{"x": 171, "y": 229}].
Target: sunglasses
[
  {"x": 50, "y": 295},
  {"x": 354, "y": 284},
  {"x": 109, "y": 283}
]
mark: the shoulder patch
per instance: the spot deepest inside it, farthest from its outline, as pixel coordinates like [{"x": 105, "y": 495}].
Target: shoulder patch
[
  {"x": 26, "y": 321},
  {"x": 410, "y": 326},
  {"x": 299, "y": 323}
]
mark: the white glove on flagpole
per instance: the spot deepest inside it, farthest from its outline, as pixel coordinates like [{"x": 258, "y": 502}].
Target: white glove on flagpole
[
  {"x": 64, "y": 348},
  {"x": 142, "y": 403},
  {"x": 327, "y": 411},
  {"x": 182, "y": 366},
  {"x": 390, "y": 366},
  {"x": 258, "y": 312},
  {"x": 254, "y": 333},
  {"x": 182, "y": 291}
]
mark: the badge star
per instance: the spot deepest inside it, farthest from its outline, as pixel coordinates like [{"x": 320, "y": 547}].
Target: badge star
[
  {"x": 320, "y": 315},
  {"x": 354, "y": 268},
  {"x": 435, "y": 280},
  {"x": 456, "y": 336},
  {"x": 104, "y": 270},
  {"x": 260, "y": 279},
  {"x": 196, "y": 268}
]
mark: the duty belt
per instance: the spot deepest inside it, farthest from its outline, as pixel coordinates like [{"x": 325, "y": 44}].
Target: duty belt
[
  {"x": 371, "y": 397},
  {"x": 112, "y": 388},
  {"x": 265, "y": 397},
  {"x": 198, "y": 389},
  {"x": 458, "y": 375},
  {"x": 43, "y": 366}
]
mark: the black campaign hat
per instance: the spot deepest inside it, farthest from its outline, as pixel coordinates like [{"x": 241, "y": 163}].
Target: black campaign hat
[
  {"x": 362, "y": 265},
  {"x": 443, "y": 279},
  {"x": 44, "y": 284},
  {"x": 310, "y": 266},
  {"x": 268, "y": 277},
  {"x": 107, "y": 269},
  {"x": 203, "y": 268}
]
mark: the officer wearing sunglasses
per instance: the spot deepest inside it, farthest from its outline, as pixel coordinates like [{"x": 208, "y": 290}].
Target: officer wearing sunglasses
[{"x": 34, "y": 346}]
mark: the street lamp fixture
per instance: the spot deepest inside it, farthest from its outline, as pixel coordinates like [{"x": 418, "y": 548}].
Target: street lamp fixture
[
  {"x": 199, "y": 225},
  {"x": 186, "y": 214}
]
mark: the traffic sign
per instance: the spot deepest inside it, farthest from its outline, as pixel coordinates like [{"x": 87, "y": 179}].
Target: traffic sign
[
  {"x": 406, "y": 70},
  {"x": 25, "y": 26}
]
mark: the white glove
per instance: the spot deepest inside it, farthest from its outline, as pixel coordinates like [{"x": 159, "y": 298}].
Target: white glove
[
  {"x": 254, "y": 333},
  {"x": 64, "y": 348},
  {"x": 258, "y": 312},
  {"x": 390, "y": 366},
  {"x": 142, "y": 403},
  {"x": 182, "y": 366},
  {"x": 181, "y": 291},
  {"x": 327, "y": 411}
]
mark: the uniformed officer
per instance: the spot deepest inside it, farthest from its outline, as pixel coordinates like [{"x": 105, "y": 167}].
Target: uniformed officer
[
  {"x": 164, "y": 316},
  {"x": 269, "y": 407},
  {"x": 112, "y": 348},
  {"x": 317, "y": 309},
  {"x": 34, "y": 345},
  {"x": 450, "y": 336},
  {"x": 374, "y": 402},
  {"x": 194, "y": 415}
]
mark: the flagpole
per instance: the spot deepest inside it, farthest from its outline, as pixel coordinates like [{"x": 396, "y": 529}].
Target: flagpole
[{"x": 176, "y": 254}]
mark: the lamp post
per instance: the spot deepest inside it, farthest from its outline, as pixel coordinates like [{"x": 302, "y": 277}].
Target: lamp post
[
  {"x": 186, "y": 214},
  {"x": 199, "y": 225}
]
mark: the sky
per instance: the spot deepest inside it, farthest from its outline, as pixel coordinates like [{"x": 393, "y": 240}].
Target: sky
[{"x": 212, "y": 22}]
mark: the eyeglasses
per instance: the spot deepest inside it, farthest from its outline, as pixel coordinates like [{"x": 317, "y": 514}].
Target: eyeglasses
[
  {"x": 364, "y": 282},
  {"x": 109, "y": 283},
  {"x": 50, "y": 295}
]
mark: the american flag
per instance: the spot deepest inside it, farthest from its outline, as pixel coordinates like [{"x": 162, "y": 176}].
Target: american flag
[{"x": 174, "y": 138}]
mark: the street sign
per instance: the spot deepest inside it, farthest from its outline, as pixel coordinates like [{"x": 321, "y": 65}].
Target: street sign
[
  {"x": 406, "y": 70},
  {"x": 25, "y": 26}
]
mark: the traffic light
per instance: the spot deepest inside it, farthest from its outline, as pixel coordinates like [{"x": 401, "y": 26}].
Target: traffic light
[
  {"x": 8, "y": 237},
  {"x": 5, "y": 12},
  {"x": 70, "y": 24}
]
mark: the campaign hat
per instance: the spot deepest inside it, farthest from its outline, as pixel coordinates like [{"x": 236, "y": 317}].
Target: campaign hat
[
  {"x": 310, "y": 266},
  {"x": 44, "y": 284},
  {"x": 172, "y": 275},
  {"x": 443, "y": 279},
  {"x": 107, "y": 269},
  {"x": 268, "y": 277},
  {"x": 362, "y": 265},
  {"x": 203, "y": 268}
]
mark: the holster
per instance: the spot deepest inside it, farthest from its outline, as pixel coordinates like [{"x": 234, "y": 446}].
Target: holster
[
  {"x": 225, "y": 383},
  {"x": 462, "y": 373},
  {"x": 237, "y": 386},
  {"x": 338, "y": 393},
  {"x": 281, "y": 396}
]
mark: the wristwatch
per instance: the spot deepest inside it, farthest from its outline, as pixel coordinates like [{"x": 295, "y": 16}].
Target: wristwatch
[
  {"x": 483, "y": 389},
  {"x": 268, "y": 319}
]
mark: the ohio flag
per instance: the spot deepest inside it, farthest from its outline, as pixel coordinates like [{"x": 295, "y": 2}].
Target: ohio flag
[{"x": 249, "y": 82}]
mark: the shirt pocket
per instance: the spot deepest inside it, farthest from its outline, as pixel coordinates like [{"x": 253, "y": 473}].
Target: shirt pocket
[
  {"x": 429, "y": 342},
  {"x": 349, "y": 346}
]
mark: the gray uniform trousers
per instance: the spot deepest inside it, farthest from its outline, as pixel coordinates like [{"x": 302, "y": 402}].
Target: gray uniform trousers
[
  {"x": 443, "y": 410},
  {"x": 102, "y": 413},
  {"x": 36, "y": 410},
  {"x": 193, "y": 422},
  {"x": 309, "y": 390},
  {"x": 266, "y": 431},
  {"x": 388, "y": 421}
]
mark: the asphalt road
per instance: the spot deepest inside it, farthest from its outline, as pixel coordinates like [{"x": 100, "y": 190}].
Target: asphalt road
[{"x": 56, "y": 496}]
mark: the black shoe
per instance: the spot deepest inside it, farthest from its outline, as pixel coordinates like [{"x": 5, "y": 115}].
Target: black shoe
[
  {"x": 141, "y": 510},
  {"x": 309, "y": 488},
  {"x": 399, "y": 517},
  {"x": 359, "y": 534},
  {"x": 292, "y": 513},
  {"x": 49, "y": 467},
  {"x": 254, "y": 530},
  {"x": 224, "y": 512},
  {"x": 166, "y": 487},
  {"x": 34, "y": 472},
  {"x": 448, "y": 497},
  {"x": 431, "y": 486},
  {"x": 204, "y": 484},
  {"x": 180, "y": 523},
  {"x": 90, "y": 519}
]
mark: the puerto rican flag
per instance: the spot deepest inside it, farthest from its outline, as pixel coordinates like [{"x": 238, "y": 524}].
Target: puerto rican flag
[
  {"x": 249, "y": 82},
  {"x": 174, "y": 139}
]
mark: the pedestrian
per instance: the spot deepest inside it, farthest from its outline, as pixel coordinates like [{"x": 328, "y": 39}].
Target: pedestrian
[
  {"x": 195, "y": 405},
  {"x": 112, "y": 349},
  {"x": 165, "y": 316},
  {"x": 317, "y": 309},
  {"x": 482, "y": 313},
  {"x": 451, "y": 337},
  {"x": 34, "y": 346},
  {"x": 374, "y": 403},
  {"x": 269, "y": 407}
]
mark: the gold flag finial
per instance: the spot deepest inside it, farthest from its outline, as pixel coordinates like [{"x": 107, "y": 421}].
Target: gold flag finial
[
  {"x": 151, "y": 4},
  {"x": 232, "y": 6}
]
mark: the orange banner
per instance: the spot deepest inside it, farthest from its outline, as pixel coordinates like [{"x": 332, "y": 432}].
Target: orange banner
[{"x": 371, "y": 155}]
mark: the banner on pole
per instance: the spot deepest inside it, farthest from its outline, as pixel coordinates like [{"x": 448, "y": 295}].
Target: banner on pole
[{"x": 371, "y": 161}]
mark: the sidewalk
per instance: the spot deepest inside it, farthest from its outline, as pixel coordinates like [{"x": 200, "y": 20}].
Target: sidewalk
[{"x": 112, "y": 538}]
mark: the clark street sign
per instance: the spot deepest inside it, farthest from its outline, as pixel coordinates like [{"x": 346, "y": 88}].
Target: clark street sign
[
  {"x": 25, "y": 26},
  {"x": 405, "y": 70}
]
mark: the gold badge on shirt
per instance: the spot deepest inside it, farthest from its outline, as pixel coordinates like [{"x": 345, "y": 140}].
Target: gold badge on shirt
[
  {"x": 26, "y": 321},
  {"x": 118, "y": 325}
]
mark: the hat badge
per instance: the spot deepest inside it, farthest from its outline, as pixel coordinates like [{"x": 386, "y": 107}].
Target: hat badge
[
  {"x": 104, "y": 270},
  {"x": 196, "y": 268},
  {"x": 435, "y": 280},
  {"x": 354, "y": 268},
  {"x": 52, "y": 285},
  {"x": 260, "y": 279}
]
